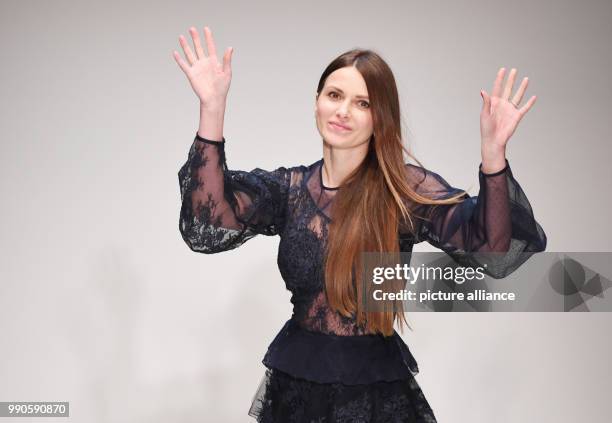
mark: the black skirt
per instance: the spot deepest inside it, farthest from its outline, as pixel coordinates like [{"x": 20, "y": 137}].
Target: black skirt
[{"x": 284, "y": 398}]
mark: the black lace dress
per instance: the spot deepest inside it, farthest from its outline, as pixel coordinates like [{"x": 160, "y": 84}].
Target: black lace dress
[{"x": 322, "y": 367}]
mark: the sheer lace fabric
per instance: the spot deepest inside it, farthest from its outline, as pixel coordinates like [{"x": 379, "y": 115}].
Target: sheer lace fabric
[
  {"x": 222, "y": 209},
  {"x": 283, "y": 398}
]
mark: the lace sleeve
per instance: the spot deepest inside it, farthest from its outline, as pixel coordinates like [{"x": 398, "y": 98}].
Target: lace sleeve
[
  {"x": 499, "y": 220},
  {"x": 222, "y": 209}
]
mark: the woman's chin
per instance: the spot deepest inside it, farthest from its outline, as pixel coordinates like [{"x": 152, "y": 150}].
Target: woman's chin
[{"x": 335, "y": 140}]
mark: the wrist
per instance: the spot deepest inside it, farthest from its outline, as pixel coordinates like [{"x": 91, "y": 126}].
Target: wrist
[
  {"x": 491, "y": 166},
  {"x": 492, "y": 151},
  {"x": 493, "y": 158},
  {"x": 212, "y": 107},
  {"x": 211, "y": 122}
]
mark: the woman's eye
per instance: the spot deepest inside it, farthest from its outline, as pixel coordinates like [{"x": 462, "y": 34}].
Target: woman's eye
[{"x": 334, "y": 95}]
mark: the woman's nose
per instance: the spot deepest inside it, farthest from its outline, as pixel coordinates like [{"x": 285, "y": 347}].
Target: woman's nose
[{"x": 343, "y": 110}]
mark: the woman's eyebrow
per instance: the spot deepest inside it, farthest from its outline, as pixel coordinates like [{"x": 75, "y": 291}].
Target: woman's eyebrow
[{"x": 338, "y": 89}]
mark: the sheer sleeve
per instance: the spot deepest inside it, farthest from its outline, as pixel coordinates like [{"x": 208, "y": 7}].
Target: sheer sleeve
[
  {"x": 499, "y": 220},
  {"x": 222, "y": 209}
]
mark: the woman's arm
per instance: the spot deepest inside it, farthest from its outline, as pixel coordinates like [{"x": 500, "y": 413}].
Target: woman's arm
[
  {"x": 222, "y": 209},
  {"x": 210, "y": 80},
  {"x": 499, "y": 222}
]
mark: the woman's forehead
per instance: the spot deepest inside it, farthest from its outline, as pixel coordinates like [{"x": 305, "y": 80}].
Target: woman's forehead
[{"x": 348, "y": 80}]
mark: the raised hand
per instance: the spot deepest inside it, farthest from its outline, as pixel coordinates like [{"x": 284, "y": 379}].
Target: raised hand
[
  {"x": 499, "y": 118},
  {"x": 500, "y": 113},
  {"x": 209, "y": 78}
]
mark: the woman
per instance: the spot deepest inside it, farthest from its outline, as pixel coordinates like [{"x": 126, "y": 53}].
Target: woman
[{"x": 333, "y": 361}]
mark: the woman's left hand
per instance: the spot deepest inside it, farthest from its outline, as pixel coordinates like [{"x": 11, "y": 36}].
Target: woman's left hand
[{"x": 500, "y": 116}]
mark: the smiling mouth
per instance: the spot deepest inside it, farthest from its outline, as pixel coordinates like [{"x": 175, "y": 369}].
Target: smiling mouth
[{"x": 338, "y": 127}]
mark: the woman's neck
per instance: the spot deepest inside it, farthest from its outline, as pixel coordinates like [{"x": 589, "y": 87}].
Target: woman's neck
[{"x": 338, "y": 163}]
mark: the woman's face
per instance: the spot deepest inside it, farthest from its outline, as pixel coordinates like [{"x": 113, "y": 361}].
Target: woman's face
[{"x": 344, "y": 101}]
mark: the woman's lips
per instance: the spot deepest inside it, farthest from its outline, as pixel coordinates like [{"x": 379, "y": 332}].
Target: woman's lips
[{"x": 338, "y": 127}]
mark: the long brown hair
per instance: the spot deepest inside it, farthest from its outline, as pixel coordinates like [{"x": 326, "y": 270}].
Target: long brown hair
[{"x": 372, "y": 202}]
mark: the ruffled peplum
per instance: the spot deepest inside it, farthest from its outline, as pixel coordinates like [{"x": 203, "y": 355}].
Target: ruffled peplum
[{"x": 350, "y": 360}]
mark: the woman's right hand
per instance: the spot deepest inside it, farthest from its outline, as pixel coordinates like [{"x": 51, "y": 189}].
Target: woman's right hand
[{"x": 209, "y": 79}]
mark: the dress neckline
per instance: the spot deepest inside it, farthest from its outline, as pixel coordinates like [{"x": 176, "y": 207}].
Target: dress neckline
[
  {"x": 321, "y": 179},
  {"x": 313, "y": 174}
]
